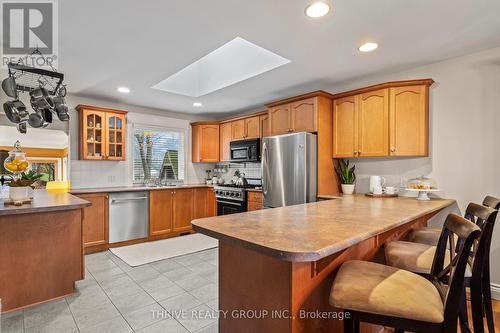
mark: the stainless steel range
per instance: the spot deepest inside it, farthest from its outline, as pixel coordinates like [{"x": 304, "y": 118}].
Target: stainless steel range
[{"x": 231, "y": 198}]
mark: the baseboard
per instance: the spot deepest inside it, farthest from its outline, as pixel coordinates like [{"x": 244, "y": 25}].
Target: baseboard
[{"x": 495, "y": 291}]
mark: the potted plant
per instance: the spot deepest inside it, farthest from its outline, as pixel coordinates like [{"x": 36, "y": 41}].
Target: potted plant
[
  {"x": 20, "y": 188},
  {"x": 346, "y": 175}
]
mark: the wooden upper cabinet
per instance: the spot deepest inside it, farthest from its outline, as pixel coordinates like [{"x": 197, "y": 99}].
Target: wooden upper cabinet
[
  {"x": 238, "y": 129},
  {"x": 160, "y": 212},
  {"x": 345, "y": 127},
  {"x": 373, "y": 123},
  {"x": 102, "y": 133},
  {"x": 183, "y": 209},
  {"x": 205, "y": 146},
  {"x": 225, "y": 140},
  {"x": 264, "y": 126},
  {"x": 389, "y": 119},
  {"x": 252, "y": 127},
  {"x": 409, "y": 121},
  {"x": 304, "y": 115},
  {"x": 280, "y": 120},
  {"x": 95, "y": 219}
]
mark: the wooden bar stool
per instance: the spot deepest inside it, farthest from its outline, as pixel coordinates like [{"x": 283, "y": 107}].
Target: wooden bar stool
[
  {"x": 430, "y": 235},
  {"x": 418, "y": 258},
  {"x": 384, "y": 295}
]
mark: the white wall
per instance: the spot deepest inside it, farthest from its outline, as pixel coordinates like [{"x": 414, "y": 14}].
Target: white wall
[
  {"x": 119, "y": 173},
  {"x": 464, "y": 133}
]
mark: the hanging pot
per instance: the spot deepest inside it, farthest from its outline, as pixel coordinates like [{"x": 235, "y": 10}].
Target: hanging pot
[
  {"x": 40, "y": 98},
  {"x": 21, "y": 127},
  {"x": 9, "y": 87},
  {"x": 61, "y": 108},
  {"x": 15, "y": 111},
  {"x": 47, "y": 117},
  {"x": 37, "y": 120}
]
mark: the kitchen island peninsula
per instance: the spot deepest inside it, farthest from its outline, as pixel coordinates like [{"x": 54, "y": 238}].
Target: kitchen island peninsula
[
  {"x": 41, "y": 249},
  {"x": 279, "y": 263}
]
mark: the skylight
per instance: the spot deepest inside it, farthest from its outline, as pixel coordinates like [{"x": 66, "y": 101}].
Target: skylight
[{"x": 233, "y": 62}]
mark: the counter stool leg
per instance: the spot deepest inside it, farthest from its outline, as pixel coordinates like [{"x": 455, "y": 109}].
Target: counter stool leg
[
  {"x": 462, "y": 312},
  {"x": 488, "y": 307},
  {"x": 477, "y": 306},
  {"x": 350, "y": 325}
]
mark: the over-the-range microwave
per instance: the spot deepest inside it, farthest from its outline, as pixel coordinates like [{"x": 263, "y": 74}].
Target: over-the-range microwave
[{"x": 245, "y": 150}]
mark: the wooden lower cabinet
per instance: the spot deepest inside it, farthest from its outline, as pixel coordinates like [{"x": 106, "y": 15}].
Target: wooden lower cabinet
[
  {"x": 95, "y": 220},
  {"x": 183, "y": 209},
  {"x": 204, "y": 203},
  {"x": 160, "y": 212},
  {"x": 254, "y": 201}
]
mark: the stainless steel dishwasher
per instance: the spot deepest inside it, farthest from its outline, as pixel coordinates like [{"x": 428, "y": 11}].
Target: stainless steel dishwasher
[{"x": 128, "y": 216}]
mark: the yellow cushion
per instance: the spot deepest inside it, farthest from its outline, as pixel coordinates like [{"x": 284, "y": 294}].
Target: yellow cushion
[
  {"x": 384, "y": 290},
  {"x": 429, "y": 236},
  {"x": 414, "y": 257}
]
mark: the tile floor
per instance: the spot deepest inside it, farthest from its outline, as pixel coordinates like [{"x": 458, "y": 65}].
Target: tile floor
[{"x": 177, "y": 295}]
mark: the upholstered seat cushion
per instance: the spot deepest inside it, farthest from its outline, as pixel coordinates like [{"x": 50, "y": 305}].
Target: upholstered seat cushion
[
  {"x": 384, "y": 290},
  {"x": 429, "y": 236},
  {"x": 414, "y": 257}
]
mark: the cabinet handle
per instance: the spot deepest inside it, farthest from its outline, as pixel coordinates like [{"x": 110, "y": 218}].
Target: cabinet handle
[
  {"x": 355, "y": 152},
  {"x": 393, "y": 149}
]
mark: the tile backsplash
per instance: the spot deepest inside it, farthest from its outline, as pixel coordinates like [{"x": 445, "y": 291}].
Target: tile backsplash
[{"x": 251, "y": 170}]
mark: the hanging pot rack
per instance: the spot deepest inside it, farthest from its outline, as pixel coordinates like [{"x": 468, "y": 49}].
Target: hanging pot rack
[{"x": 29, "y": 78}]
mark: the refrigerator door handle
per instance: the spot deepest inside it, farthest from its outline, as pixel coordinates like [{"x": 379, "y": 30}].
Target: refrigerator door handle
[{"x": 265, "y": 171}]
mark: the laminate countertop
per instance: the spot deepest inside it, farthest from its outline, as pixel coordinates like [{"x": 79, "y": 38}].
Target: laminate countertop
[
  {"x": 133, "y": 188},
  {"x": 45, "y": 201},
  {"x": 309, "y": 232}
]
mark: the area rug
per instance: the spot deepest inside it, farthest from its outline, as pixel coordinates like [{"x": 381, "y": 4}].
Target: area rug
[{"x": 145, "y": 253}]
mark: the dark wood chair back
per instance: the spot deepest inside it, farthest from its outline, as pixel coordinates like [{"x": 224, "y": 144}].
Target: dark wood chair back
[
  {"x": 484, "y": 218},
  {"x": 491, "y": 202},
  {"x": 456, "y": 240}
]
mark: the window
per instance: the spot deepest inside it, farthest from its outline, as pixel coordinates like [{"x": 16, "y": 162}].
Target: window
[
  {"x": 48, "y": 169},
  {"x": 158, "y": 155}
]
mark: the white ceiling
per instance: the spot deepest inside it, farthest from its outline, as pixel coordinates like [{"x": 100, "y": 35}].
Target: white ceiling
[{"x": 106, "y": 44}]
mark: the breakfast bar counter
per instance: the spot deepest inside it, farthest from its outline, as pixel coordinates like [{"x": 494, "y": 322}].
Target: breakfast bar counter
[
  {"x": 41, "y": 249},
  {"x": 282, "y": 261}
]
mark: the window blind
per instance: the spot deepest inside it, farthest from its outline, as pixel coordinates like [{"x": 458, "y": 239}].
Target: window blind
[{"x": 158, "y": 154}]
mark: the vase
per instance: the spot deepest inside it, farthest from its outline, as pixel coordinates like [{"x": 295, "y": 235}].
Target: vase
[
  {"x": 348, "y": 188},
  {"x": 18, "y": 193}
]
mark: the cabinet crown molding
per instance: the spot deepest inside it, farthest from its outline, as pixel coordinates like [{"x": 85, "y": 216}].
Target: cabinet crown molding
[
  {"x": 81, "y": 107},
  {"x": 301, "y": 97},
  {"x": 392, "y": 84}
]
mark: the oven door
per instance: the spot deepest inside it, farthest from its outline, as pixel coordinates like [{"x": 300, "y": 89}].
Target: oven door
[{"x": 228, "y": 206}]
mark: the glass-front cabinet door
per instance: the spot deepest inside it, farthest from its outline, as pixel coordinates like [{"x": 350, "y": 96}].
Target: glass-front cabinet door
[
  {"x": 102, "y": 133},
  {"x": 115, "y": 149},
  {"x": 93, "y": 135}
]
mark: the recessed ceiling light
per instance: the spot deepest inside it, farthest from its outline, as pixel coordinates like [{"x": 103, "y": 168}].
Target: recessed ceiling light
[
  {"x": 197, "y": 104},
  {"x": 368, "y": 47},
  {"x": 317, "y": 9},
  {"x": 123, "y": 90}
]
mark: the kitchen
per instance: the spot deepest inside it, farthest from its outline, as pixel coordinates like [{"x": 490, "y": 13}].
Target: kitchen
[{"x": 161, "y": 234}]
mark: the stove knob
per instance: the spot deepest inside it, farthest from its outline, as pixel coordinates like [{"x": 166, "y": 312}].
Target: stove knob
[{"x": 232, "y": 194}]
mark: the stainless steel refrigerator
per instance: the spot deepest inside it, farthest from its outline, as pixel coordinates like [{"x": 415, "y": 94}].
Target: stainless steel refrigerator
[{"x": 289, "y": 169}]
